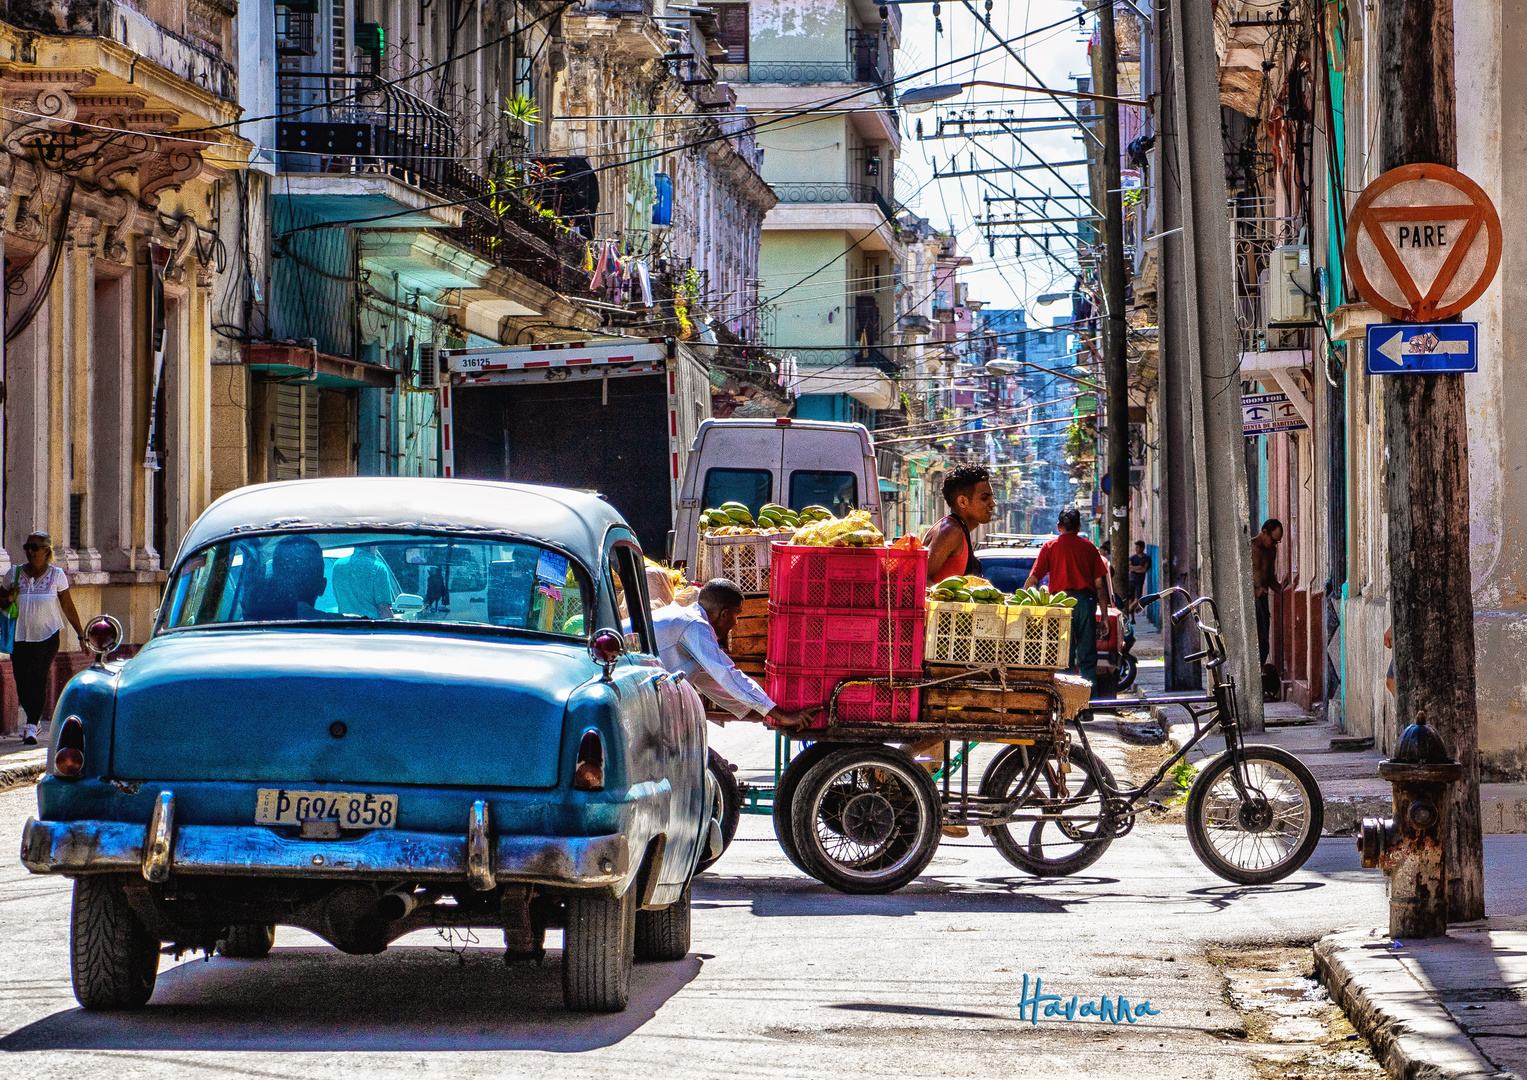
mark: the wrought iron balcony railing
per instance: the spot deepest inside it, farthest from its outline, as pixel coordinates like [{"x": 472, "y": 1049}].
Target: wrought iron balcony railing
[{"x": 355, "y": 123}]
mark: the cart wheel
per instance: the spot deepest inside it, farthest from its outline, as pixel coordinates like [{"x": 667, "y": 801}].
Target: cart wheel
[
  {"x": 731, "y": 805},
  {"x": 866, "y": 819},
  {"x": 1050, "y": 834},
  {"x": 1260, "y": 834},
  {"x": 784, "y": 795}
]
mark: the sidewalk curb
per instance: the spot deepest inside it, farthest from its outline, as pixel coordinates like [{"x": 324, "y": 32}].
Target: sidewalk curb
[
  {"x": 23, "y": 772},
  {"x": 1411, "y": 1033}
]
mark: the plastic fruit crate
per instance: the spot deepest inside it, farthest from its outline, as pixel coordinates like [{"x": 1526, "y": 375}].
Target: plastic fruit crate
[
  {"x": 742, "y": 560},
  {"x": 891, "y": 580},
  {"x": 806, "y": 639},
  {"x": 997, "y": 635},
  {"x": 796, "y": 690}
]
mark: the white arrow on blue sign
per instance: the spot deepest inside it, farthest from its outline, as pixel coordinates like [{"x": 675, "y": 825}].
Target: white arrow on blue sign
[{"x": 1398, "y": 348}]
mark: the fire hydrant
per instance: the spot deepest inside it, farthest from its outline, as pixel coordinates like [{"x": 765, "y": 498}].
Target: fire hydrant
[{"x": 1409, "y": 846}]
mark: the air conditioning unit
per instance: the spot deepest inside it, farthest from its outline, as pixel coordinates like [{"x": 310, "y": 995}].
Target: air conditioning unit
[
  {"x": 1289, "y": 295},
  {"x": 430, "y": 371}
]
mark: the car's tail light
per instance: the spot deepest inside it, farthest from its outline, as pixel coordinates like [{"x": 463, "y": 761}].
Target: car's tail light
[
  {"x": 69, "y": 757},
  {"x": 606, "y": 646},
  {"x": 588, "y": 774}
]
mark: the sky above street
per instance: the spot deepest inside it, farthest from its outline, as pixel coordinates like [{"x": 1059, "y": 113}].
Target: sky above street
[{"x": 1057, "y": 56}]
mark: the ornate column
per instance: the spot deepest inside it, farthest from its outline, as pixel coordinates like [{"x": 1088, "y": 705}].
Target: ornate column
[{"x": 78, "y": 271}]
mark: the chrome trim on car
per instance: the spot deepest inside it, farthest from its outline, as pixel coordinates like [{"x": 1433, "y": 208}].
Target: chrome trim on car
[
  {"x": 159, "y": 842},
  {"x": 82, "y": 847},
  {"x": 479, "y": 854}
]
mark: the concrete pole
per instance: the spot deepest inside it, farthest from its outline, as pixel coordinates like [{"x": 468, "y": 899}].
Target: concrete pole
[
  {"x": 1115, "y": 326},
  {"x": 1214, "y": 347},
  {"x": 1178, "y": 477}
]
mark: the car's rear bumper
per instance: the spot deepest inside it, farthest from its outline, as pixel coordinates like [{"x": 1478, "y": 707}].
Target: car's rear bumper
[{"x": 90, "y": 847}]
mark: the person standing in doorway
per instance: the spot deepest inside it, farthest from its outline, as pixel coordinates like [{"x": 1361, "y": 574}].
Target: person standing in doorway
[
  {"x": 1075, "y": 567},
  {"x": 1139, "y": 570},
  {"x": 1264, "y": 579},
  {"x": 43, "y": 604},
  {"x": 967, "y": 492}
]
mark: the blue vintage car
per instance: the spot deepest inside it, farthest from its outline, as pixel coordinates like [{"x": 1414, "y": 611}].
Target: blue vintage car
[{"x": 371, "y": 706}]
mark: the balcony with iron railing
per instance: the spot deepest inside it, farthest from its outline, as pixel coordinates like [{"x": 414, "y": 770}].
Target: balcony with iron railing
[
  {"x": 825, "y": 193},
  {"x": 866, "y": 59},
  {"x": 356, "y": 124}
]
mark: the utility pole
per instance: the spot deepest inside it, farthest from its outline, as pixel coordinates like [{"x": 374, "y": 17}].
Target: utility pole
[
  {"x": 1179, "y": 484},
  {"x": 1426, "y": 442},
  {"x": 1213, "y": 346},
  {"x": 1115, "y": 326}
]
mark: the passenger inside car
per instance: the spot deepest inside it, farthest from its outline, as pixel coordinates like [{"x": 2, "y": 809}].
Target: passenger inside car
[{"x": 293, "y": 583}]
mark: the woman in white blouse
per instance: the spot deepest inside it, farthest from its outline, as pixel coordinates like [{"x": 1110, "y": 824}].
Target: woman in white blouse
[{"x": 43, "y": 603}]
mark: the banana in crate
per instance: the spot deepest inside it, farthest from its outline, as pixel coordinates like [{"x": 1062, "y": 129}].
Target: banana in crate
[
  {"x": 735, "y": 519},
  {"x": 825, "y": 530}
]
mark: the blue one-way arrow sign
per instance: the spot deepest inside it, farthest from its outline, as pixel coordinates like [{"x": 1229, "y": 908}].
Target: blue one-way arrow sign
[{"x": 1397, "y": 348}]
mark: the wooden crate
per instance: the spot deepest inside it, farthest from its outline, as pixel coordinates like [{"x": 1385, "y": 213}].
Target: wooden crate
[
  {"x": 750, "y": 637},
  {"x": 982, "y": 703}
]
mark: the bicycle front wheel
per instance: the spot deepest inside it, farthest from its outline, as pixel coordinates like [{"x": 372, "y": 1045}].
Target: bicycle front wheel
[{"x": 1259, "y": 832}]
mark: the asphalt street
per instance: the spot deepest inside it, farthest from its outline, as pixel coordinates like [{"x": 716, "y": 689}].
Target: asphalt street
[{"x": 785, "y": 979}]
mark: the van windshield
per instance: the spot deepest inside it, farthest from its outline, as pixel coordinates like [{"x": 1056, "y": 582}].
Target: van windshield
[{"x": 415, "y": 577}]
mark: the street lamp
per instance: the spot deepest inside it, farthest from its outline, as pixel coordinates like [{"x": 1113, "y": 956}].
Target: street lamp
[{"x": 924, "y": 98}]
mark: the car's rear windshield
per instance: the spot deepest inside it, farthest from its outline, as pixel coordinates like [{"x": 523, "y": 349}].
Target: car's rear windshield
[{"x": 409, "y": 577}]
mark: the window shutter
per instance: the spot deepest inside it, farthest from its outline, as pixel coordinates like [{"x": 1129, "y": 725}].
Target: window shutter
[{"x": 733, "y": 19}]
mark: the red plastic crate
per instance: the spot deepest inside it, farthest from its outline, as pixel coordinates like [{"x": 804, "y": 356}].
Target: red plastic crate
[
  {"x": 796, "y": 690},
  {"x": 820, "y": 639},
  {"x": 891, "y": 580}
]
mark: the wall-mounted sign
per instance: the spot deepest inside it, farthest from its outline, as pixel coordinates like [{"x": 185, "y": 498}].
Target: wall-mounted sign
[
  {"x": 1262, "y": 414},
  {"x": 1423, "y": 243}
]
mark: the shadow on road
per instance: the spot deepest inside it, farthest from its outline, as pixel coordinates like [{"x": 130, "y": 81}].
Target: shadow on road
[
  {"x": 409, "y": 998},
  {"x": 793, "y": 897}
]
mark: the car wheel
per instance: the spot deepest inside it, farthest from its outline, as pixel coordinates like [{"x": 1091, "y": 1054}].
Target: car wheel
[
  {"x": 598, "y": 946},
  {"x": 784, "y": 795},
  {"x": 248, "y": 942},
  {"x": 731, "y": 806},
  {"x": 113, "y": 959},
  {"x": 664, "y": 935}
]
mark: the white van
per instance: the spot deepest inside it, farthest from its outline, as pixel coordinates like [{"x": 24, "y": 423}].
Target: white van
[{"x": 791, "y": 462}]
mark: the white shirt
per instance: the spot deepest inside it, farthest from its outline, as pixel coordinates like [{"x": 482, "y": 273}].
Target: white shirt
[
  {"x": 686, "y": 642},
  {"x": 38, "y": 614}
]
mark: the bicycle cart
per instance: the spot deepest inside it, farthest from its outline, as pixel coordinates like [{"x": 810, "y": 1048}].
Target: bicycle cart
[{"x": 857, "y": 811}]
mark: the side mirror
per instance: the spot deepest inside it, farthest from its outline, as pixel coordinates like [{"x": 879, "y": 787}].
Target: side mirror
[
  {"x": 408, "y": 603},
  {"x": 606, "y": 646},
  {"x": 102, "y": 636}
]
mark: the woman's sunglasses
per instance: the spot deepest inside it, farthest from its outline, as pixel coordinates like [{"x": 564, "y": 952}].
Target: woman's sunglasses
[{"x": 34, "y": 547}]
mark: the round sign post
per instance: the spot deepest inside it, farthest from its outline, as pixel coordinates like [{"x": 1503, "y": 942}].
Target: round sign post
[{"x": 1423, "y": 243}]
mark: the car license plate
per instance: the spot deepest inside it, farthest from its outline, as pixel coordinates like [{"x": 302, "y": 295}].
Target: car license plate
[{"x": 283, "y": 806}]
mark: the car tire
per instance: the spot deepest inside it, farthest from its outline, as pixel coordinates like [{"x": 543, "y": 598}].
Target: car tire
[
  {"x": 113, "y": 959},
  {"x": 664, "y": 935},
  {"x": 731, "y": 807},
  {"x": 598, "y": 947},
  {"x": 248, "y": 942},
  {"x": 784, "y": 795}
]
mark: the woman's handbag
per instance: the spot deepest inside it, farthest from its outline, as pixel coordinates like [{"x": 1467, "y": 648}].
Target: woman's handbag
[{"x": 8, "y": 623}]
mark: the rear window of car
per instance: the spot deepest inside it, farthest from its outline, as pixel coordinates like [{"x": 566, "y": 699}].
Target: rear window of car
[
  {"x": 751, "y": 487},
  {"x": 838, "y": 491},
  {"x": 415, "y": 577}
]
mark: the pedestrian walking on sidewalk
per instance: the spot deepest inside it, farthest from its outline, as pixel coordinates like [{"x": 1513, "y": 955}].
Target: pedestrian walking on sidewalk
[
  {"x": 1139, "y": 570},
  {"x": 1264, "y": 579},
  {"x": 43, "y": 605},
  {"x": 1076, "y": 568}
]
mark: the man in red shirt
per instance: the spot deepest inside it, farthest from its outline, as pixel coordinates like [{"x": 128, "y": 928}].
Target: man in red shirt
[{"x": 1075, "y": 567}]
